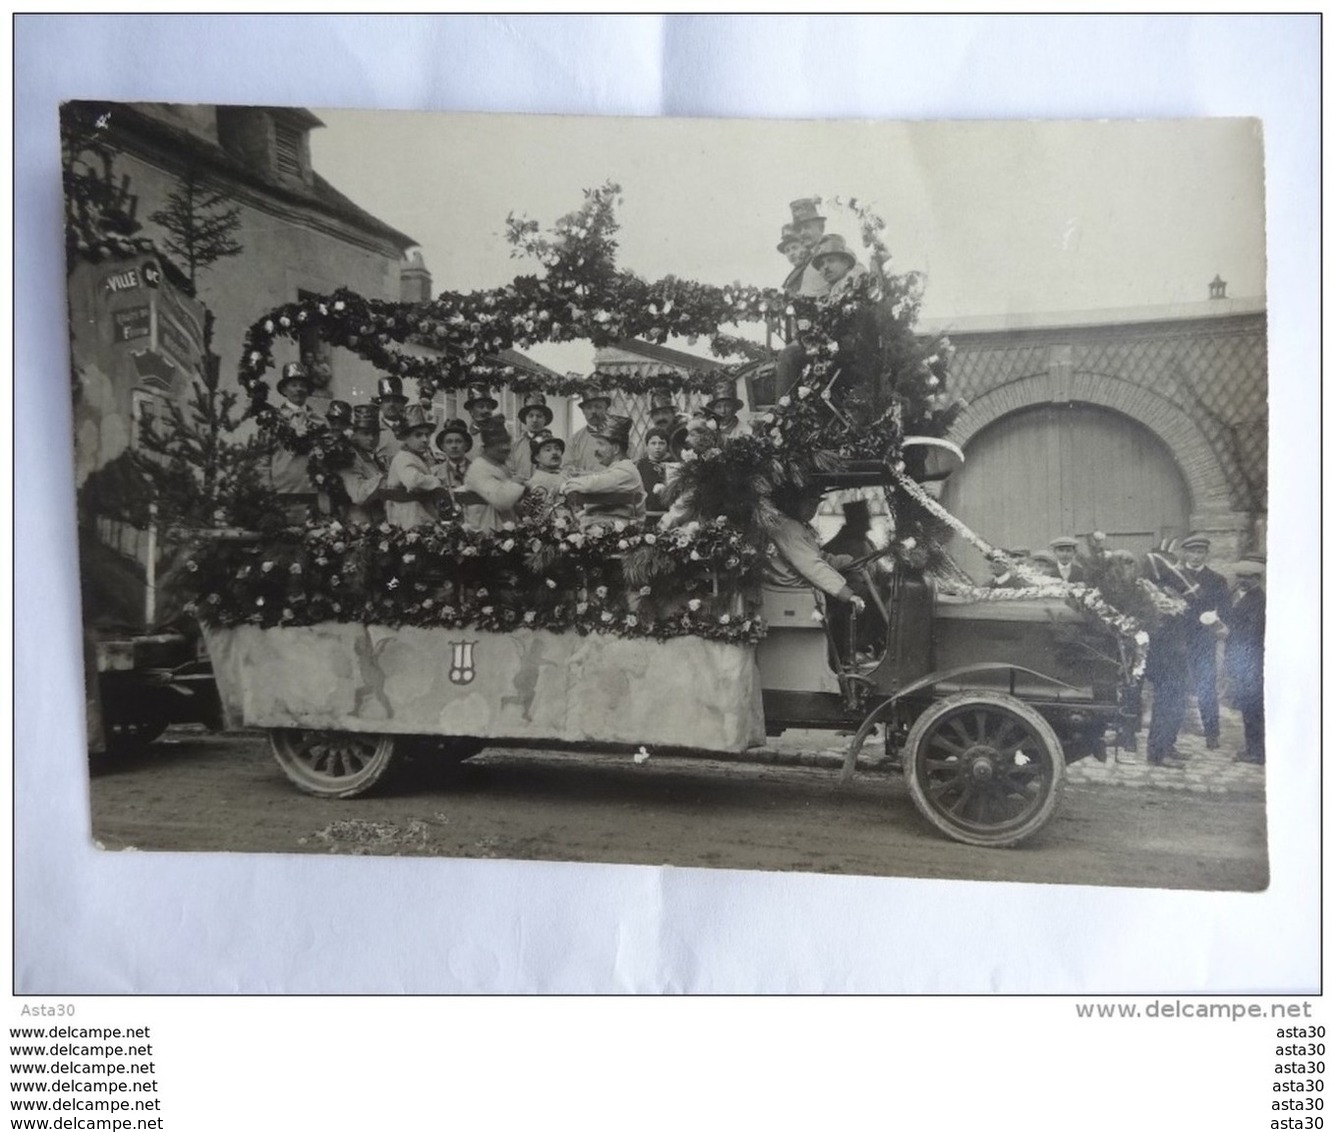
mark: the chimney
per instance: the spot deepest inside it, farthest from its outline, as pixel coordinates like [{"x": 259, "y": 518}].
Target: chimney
[
  {"x": 1217, "y": 288},
  {"x": 415, "y": 280}
]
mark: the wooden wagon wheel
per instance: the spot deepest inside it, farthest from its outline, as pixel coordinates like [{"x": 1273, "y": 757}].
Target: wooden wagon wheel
[{"x": 332, "y": 764}]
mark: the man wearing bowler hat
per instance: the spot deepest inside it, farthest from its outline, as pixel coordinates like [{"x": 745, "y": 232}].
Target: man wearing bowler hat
[
  {"x": 615, "y": 492},
  {"x": 534, "y": 419},
  {"x": 364, "y": 479},
  {"x": 389, "y": 397},
  {"x": 838, "y": 266},
  {"x": 1207, "y": 605},
  {"x": 489, "y": 477},
  {"x": 454, "y": 441},
  {"x": 287, "y": 469},
  {"x": 580, "y": 456}
]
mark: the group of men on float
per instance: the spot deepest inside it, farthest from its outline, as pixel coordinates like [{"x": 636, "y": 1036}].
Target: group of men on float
[{"x": 408, "y": 471}]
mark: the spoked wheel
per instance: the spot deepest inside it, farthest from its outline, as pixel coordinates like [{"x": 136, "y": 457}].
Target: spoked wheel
[
  {"x": 332, "y": 764},
  {"x": 984, "y": 768}
]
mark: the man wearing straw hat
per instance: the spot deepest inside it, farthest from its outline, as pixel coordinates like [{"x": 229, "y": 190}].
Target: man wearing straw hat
[{"x": 615, "y": 492}]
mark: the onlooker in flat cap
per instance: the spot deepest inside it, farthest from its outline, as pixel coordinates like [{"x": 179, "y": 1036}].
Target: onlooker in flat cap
[
  {"x": 1069, "y": 568},
  {"x": 1208, "y": 604},
  {"x": 1244, "y": 655}
]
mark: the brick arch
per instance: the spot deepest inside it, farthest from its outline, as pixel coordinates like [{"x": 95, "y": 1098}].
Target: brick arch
[{"x": 1188, "y": 444}]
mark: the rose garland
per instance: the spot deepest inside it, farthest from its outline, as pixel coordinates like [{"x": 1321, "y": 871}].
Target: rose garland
[{"x": 542, "y": 574}]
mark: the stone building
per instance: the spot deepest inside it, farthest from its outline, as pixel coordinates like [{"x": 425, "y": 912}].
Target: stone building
[
  {"x": 299, "y": 235},
  {"x": 1145, "y": 424}
]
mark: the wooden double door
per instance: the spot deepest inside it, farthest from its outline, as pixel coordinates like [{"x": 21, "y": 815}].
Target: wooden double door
[{"x": 1066, "y": 470}]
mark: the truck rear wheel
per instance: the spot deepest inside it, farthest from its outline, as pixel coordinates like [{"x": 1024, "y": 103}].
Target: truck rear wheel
[
  {"x": 332, "y": 764},
  {"x": 984, "y": 768}
]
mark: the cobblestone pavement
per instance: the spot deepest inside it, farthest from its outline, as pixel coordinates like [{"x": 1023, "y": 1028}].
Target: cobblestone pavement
[{"x": 1206, "y": 772}]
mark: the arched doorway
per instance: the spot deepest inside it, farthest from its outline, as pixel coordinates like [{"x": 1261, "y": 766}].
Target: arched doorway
[{"x": 1066, "y": 469}]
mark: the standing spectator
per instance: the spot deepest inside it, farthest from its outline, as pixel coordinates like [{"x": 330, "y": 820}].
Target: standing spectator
[
  {"x": 854, "y": 537},
  {"x": 1244, "y": 656},
  {"x": 489, "y": 477},
  {"x": 534, "y": 419},
  {"x": 580, "y": 457},
  {"x": 615, "y": 492},
  {"x": 653, "y": 466},
  {"x": 1207, "y": 605},
  {"x": 1004, "y": 576},
  {"x": 1166, "y": 668},
  {"x": 1068, "y": 568},
  {"x": 389, "y": 396},
  {"x": 364, "y": 479},
  {"x": 410, "y": 476}
]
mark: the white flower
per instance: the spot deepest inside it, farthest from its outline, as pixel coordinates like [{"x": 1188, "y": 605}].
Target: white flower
[
  {"x": 1142, "y": 638},
  {"x": 619, "y": 525},
  {"x": 803, "y": 391},
  {"x": 641, "y": 756},
  {"x": 551, "y": 584},
  {"x": 488, "y": 609},
  {"x": 530, "y": 617},
  {"x": 693, "y": 605},
  {"x": 581, "y": 607},
  {"x": 651, "y": 539},
  {"x": 908, "y": 543},
  {"x": 192, "y": 565},
  {"x": 645, "y": 591},
  {"x": 266, "y": 567},
  {"x": 785, "y": 401},
  {"x": 338, "y": 306},
  {"x": 606, "y": 617},
  {"x": 725, "y": 619},
  {"x": 601, "y": 591},
  {"x": 393, "y": 583},
  {"x": 268, "y": 326},
  {"x": 622, "y": 544},
  {"x": 632, "y": 620},
  {"x": 508, "y": 544},
  {"x": 1209, "y": 617}
]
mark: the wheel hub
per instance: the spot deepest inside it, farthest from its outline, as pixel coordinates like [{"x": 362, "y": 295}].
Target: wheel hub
[{"x": 981, "y": 763}]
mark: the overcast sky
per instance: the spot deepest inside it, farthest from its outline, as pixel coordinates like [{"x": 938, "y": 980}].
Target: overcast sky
[{"x": 1002, "y": 217}]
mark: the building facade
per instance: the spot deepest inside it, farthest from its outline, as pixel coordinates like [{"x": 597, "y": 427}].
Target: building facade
[{"x": 1144, "y": 424}]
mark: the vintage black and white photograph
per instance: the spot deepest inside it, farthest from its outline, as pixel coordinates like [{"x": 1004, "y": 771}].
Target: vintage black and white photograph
[{"x": 862, "y": 498}]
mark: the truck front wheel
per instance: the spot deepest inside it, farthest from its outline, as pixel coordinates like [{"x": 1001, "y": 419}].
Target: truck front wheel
[{"x": 984, "y": 768}]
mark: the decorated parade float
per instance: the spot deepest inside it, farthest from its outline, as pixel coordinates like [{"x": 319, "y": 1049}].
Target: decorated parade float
[{"x": 352, "y": 644}]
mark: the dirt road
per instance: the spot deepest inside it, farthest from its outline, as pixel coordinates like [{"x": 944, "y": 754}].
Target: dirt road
[{"x": 209, "y": 793}]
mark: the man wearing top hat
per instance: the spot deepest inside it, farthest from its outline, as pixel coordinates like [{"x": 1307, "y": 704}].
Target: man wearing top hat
[
  {"x": 480, "y": 406},
  {"x": 410, "y": 475},
  {"x": 389, "y": 397},
  {"x": 724, "y": 407},
  {"x": 364, "y": 479},
  {"x": 808, "y": 226},
  {"x": 1244, "y": 655},
  {"x": 798, "y": 254},
  {"x": 1067, "y": 566},
  {"x": 534, "y": 419},
  {"x": 339, "y": 417},
  {"x": 489, "y": 476},
  {"x": 663, "y": 416},
  {"x": 580, "y": 456},
  {"x": 615, "y": 492},
  {"x": 287, "y": 469},
  {"x": 1207, "y": 605}
]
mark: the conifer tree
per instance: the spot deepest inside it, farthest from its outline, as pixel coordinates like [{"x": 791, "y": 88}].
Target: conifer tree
[{"x": 201, "y": 228}]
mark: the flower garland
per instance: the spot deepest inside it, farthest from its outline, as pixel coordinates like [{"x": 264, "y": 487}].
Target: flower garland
[
  {"x": 898, "y": 380},
  {"x": 541, "y": 574},
  {"x": 1130, "y": 631}
]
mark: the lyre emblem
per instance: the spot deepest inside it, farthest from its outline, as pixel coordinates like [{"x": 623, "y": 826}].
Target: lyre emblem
[{"x": 461, "y": 662}]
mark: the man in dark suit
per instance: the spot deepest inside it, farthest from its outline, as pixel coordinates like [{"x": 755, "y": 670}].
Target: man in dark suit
[
  {"x": 1244, "y": 656},
  {"x": 1207, "y": 605},
  {"x": 1069, "y": 568}
]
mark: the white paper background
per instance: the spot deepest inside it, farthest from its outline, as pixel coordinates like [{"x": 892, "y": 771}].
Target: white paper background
[{"x": 88, "y": 922}]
